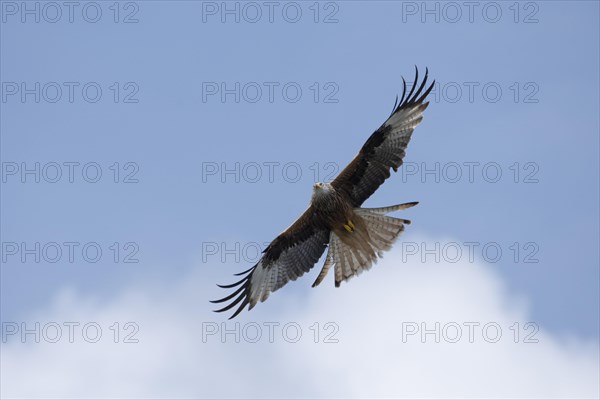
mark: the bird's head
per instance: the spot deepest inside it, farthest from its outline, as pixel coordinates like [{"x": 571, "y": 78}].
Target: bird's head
[{"x": 321, "y": 189}]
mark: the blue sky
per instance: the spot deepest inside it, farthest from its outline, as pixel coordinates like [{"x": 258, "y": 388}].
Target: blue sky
[{"x": 518, "y": 94}]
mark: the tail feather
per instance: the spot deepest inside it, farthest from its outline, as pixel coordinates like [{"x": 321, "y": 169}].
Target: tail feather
[
  {"x": 354, "y": 252},
  {"x": 326, "y": 266},
  {"x": 389, "y": 209}
]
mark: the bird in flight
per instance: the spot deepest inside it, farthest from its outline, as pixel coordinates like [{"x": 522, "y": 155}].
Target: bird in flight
[{"x": 356, "y": 236}]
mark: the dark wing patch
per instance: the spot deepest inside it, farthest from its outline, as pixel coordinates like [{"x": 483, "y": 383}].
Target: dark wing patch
[
  {"x": 288, "y": 257},
  {"x": 386, "y": 147}
]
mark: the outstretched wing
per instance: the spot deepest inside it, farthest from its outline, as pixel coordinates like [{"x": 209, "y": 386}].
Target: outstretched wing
[
  {"x": 385, "y": 148},
  {"x": 289, "y": 256}
]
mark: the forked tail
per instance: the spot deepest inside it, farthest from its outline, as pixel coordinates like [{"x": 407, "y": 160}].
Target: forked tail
[{"x": 354, "y": 251}]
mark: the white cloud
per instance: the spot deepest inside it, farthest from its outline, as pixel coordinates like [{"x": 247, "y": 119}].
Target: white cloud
[{"x": 371, "y": 359}]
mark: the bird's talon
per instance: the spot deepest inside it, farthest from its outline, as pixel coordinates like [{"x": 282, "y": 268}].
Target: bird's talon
[{"x": 349, "y": 226}]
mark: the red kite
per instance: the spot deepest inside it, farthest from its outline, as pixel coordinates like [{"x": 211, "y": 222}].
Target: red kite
[{"x": 356, "y": 236}]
